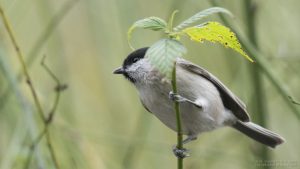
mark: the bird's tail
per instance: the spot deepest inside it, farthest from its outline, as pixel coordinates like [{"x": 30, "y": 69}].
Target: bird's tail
[{"x": 259, "y": 133}]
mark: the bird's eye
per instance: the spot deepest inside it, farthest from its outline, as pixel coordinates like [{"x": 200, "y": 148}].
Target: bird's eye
[{"x": 135, "y": 60}]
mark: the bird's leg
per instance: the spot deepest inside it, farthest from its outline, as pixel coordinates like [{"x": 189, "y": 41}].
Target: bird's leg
[
  {"x": 182, "y": 153},
  {"x": 189, "y": 139},
  {"x": 177, "y": 98}
]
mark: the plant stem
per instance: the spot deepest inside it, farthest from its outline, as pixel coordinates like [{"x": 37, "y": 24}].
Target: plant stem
[
  {"x": 178, "y": 118},
  {"x": 27, "y": 114},
  {"x": 171, "y": 20},
  {"x": 40, "y": 42},
  {"x": 30, "y": 84},
  {"x": 59, "y": 87},
  {"x": 260, "y": 108},
  {"x": 23, "y": 65}
]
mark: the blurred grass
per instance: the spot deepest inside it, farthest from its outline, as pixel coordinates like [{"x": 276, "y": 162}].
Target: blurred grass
[
  {"x": 259, "y": 103},
  {"x": 100, "y": 122}
]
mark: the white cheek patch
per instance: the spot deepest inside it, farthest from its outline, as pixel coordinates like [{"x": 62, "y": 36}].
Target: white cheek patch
[
  {"x": 133, "y": 67},
  {"x": 139, "y": 70}
]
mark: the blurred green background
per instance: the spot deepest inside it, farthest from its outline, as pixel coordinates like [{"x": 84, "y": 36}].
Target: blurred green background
[{"x": 100, "y": 122}]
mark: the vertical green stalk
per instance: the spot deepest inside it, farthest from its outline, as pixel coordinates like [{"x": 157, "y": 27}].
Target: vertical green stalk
[
  {"x": 259, "y": 103},
  {"x": 178, "y": 119}
]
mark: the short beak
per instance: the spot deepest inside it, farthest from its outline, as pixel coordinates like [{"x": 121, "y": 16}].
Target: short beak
[{"x": 119, "y": 70}]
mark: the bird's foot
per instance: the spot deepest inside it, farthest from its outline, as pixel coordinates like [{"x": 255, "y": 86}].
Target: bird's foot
[
  {"x": 181, "y": 153},
  {"x": 176, "y": 97}
]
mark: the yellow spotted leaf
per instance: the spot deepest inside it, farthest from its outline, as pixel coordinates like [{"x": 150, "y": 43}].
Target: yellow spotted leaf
[{"x": 215, "y": 32}]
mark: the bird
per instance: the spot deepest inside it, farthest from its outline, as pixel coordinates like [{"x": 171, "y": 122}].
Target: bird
[{"x": 205, "y": 102}]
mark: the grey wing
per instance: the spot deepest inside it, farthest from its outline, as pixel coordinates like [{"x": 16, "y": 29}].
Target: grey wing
[{"x": 230, "y": 101}]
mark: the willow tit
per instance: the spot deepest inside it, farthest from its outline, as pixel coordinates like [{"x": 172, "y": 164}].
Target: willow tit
[{"x": 205, "y": 102}]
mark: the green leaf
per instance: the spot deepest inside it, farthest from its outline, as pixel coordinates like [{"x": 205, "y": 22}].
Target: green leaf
[
  {"x": 163, "y": 55},
  {"x": 215, "y": 32},
  {"x": 152, "y": 23},
  {"x": 201, "y": 15}
]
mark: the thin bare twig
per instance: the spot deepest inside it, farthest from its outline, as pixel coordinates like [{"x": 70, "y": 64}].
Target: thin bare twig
[
  {"x": 23, "y": 65},
  {"x": 29, "y": 82},
  {"x": 58, "y": 89},
  {"x": 41, "y": 40},
  {"x": 32, "y": 148}
]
